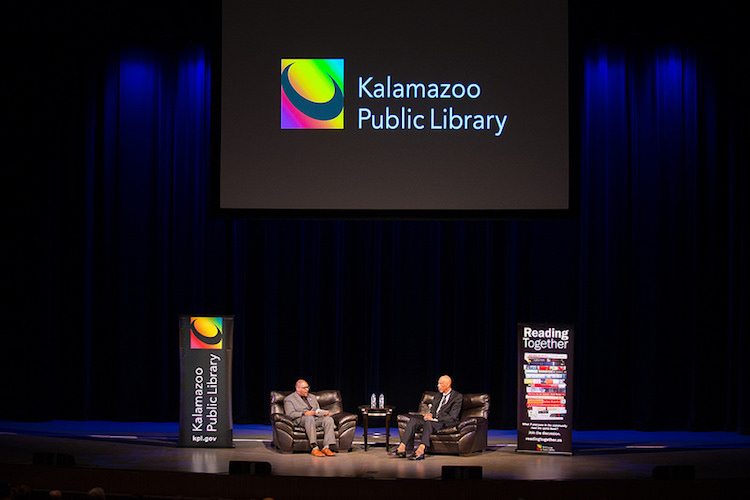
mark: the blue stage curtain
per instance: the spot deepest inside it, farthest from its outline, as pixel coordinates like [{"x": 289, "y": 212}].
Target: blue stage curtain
[
  {"x": 662, "y": 234},
  {"x": 652, "y": 272}
]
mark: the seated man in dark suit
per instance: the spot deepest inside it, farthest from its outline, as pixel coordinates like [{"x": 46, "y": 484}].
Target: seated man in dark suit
[
  {"x": 444, "y": 413},
  {"x": 305, "y": 411}
]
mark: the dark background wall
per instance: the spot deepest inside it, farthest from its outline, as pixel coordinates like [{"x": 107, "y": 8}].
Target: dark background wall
[{"x": 109, "y": 235}]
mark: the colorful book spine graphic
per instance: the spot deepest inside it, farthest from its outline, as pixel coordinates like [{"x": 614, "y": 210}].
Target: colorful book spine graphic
[{"x": 544, "y": 378}]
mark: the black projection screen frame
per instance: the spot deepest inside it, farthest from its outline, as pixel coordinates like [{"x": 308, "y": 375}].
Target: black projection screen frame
[{"x": 378, "y": 72}]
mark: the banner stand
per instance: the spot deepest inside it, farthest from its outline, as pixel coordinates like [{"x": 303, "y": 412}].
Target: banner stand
[
  {"x": 545, "y": 383},
  {"x": 206, "y": 381}
]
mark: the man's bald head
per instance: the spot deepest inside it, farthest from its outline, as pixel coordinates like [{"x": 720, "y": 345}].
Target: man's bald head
[
  {"x": 444, "y": 384},
  {"x": 302, "y": 387}
]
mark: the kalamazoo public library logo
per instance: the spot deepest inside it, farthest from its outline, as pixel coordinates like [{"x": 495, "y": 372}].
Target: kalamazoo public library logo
[
  {"x": 206, "y": 333},
  {"x": 312, "y": 97},
  {"x": 312, "y": 93}
]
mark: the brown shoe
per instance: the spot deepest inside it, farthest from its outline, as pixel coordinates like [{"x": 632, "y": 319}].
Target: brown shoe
[
  {"x": 328, "y": 452},
  {"x": 317, "y": 453}
]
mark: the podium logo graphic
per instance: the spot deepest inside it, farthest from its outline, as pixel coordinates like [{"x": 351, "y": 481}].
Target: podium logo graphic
[
  {"x": 312, "y": 93},
  {"x": 206, "y": 333}
]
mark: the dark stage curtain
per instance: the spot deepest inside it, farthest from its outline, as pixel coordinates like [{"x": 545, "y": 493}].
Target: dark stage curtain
[{"x": 110, "y": 239}]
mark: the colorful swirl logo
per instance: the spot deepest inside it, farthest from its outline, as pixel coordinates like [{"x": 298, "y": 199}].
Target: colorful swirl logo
[
  {"x": 312, "y": 93},
  {"x": 206, "y": 333}
]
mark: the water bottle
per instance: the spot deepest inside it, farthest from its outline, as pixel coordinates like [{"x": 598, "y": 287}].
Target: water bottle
[
  {"x": 373, "y": 401},
  {"x": 381, "y": 401}
]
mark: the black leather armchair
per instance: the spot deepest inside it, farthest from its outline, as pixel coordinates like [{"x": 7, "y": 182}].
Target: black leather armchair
[
  {"x": 288, "y": 437},
  {"x": 466, "y": 437}
]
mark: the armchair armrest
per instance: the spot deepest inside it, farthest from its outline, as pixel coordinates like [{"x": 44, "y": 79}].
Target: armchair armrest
[
  {"x": 343, "y": 418},
  {"x": 403, "y": 419},
  {"x": 282, "y": 422},
  {"x": 471, "y": 424},
  {"x": 280, "y": 417}
]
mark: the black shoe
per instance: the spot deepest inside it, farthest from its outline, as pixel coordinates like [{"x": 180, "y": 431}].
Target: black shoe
[
  {"x": 418, "y": 457},
  {"x": 397, "y": 454}
]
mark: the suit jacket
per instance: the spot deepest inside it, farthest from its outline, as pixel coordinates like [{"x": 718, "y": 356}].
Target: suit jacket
[
  {"x": 295, "y": 407},
  {"x": 450, "y": 411}
]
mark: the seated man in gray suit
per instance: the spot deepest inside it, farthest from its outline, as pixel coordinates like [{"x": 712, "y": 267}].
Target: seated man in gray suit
[
  {"x": 443, "y": 413},
  {"x": 305, "y": 411}
]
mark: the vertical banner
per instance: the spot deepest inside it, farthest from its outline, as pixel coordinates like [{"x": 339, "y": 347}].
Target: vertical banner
[
  {"x": 545, "y": 381},
  {"x": 206, "y": 381}
]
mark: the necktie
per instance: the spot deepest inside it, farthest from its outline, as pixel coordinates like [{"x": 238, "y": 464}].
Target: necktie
[
  {"x": 307, "y": 402},
  {"x": 443, "y": 399}
]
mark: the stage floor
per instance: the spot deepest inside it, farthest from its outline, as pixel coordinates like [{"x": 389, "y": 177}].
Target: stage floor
[{"x": 597, "y": 455}]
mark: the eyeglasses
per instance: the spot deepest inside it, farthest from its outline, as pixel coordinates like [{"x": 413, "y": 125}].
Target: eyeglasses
[{"x": 305, "y": 387}]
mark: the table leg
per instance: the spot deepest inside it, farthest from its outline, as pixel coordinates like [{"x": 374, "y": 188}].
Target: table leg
[
  {"x": 365, "y": 418},
  {"x": 387, "y": 431}
]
